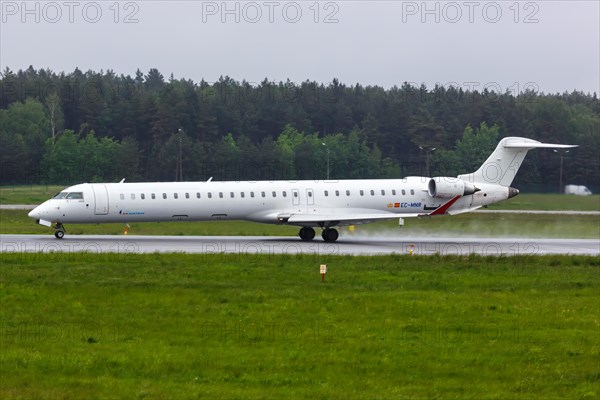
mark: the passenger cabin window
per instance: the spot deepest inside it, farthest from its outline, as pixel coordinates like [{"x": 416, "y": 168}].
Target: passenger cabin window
[
  {"x": 209, "y": 195},
  {"x": 309, "y": 194},
  {"x": 175, "y": 195},
  {"x": 274, "y": 194},
  {"x": 403, "y": 192},
  {"x": 394, "y": 192},
  {"x": 262, "y": 194},
  {"x": 251, "y": 194},
  {"x": 284, "y": 193},
  {"x": 187, "y": 195},
  {"x": 62, "y": 195},
  {"x": 337, "y": 192},
  {"x": 197, "y": 195},
  {"x": 296, "y": 194},
  {"x": 164, "y": 195},
  {"x": 153, "y": 196},
  {"x": 347, "y": 193},
  {"x": 242, "y": 195},
  {"x": 326, "y": 193},
  {"x": 372, "y": 193},
  {"x": 122, "y": 196},
  {"x": 383, "y": 192},
  {"x": 142, "y": 196},
  {"x": 231, "y": 195},
  {"x": 362, "y": 192},
  {"x": 412, "y": 191},
  {"x": 221, "y": 195}
]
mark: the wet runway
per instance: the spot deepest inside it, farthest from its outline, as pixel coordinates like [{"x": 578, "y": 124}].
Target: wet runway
[{"x": 347, "y": 245}]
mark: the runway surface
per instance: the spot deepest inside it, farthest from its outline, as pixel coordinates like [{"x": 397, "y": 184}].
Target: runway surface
[{"x": 347, "y": 245}]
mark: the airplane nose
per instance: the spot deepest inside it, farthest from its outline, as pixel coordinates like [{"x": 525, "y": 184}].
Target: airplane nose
[
  {"x": 35, "y": 213},
  {"x": 38, "y": 212}
]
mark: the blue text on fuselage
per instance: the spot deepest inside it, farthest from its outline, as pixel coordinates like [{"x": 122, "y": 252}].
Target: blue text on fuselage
[{"x": 407, "y": 205}]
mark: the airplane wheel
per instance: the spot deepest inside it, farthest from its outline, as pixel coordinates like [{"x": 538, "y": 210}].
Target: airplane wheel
[
  {"x": 330, "y": 235},
  {"x": 59, "y": 234},
  {"x": 307, "y": 234}
]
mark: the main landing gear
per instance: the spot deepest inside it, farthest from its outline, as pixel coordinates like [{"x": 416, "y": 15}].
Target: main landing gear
[
  {"x": 329, "y": 234},
  {"x": 307, "y": 234},
  {"x": 60, "y": 230}
]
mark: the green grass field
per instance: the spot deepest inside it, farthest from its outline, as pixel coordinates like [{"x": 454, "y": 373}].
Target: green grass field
[
  {"x": 479, "y": 225},
  {"x": 549, "y": 202},
  {"x": 549, "y": 226},
  {"x": 36, "y": 194},
  {"x": 125, "y": 326},
  {"x": 28, "y": 194}
]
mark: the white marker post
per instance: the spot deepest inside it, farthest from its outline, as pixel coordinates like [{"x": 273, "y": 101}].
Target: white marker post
[{"x": 323, "y": 272}]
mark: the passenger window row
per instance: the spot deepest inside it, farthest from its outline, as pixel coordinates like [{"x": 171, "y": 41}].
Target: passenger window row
[
  {"x": 208, "y": 195},
  {"x": 262, "y": 194},
  {"x": 371, "y": 192}
]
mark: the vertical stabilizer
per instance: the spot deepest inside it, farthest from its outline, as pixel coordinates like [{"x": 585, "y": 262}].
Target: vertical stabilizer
[{"x": 502, "y": 165}]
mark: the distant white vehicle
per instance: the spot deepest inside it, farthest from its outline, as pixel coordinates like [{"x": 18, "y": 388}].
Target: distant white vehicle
[{"x": 578, "y": 190}]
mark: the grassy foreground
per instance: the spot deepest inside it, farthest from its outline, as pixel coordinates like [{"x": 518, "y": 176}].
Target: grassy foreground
[
  {"x": 261, "y": 326},
  {"x": 478, "y": 225}
]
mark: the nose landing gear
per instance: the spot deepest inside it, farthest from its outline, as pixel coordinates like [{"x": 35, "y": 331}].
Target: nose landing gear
[{"x": 59, "y": 232}]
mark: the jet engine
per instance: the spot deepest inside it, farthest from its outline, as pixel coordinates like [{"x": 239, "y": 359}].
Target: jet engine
[{"x": 447, "y": 187}]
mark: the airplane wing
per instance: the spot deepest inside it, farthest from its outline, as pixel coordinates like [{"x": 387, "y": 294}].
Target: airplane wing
[
  {"x": 356, "y": 217},
  {"x": 343, "y": 219},
  {"x": 443, "y": 209}
]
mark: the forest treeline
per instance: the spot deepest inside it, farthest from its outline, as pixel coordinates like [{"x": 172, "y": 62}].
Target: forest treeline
[{"x": 100, "y": 126}]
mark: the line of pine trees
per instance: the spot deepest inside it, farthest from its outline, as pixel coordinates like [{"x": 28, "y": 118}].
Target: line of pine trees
[{"x": 99, "y": 126}]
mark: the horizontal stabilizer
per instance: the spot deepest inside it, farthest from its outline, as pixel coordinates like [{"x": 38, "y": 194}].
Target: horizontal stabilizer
[{"x": 520, "y": 145}]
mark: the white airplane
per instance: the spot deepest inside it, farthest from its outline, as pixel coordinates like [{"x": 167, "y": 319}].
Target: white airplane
[{"x": 307, "y": 204}]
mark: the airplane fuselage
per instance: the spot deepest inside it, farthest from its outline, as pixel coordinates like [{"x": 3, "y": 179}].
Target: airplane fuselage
[
  {"x": 261, "y": 201},
  {"x": 308, "y": 204}
]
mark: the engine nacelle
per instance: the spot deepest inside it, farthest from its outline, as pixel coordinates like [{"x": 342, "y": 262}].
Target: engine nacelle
[{"x": 445, "y": 187}]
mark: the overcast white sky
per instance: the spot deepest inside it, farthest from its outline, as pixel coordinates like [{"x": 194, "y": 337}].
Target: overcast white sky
[{"x": 553, "y": 46}]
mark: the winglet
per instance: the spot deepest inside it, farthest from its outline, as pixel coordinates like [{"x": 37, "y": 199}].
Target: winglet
[{"x": 444, "y": 207}]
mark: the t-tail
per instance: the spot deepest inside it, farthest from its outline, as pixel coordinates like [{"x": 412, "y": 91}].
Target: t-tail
[{"x": 502, "y": 165}]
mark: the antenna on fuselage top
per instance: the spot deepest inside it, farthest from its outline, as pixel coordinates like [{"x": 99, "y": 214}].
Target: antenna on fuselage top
[
  {"x": 122, "y": 180},
  {"x": 209, "y": 179}
]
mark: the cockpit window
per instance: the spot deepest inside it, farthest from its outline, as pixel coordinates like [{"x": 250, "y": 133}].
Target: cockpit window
[
  {"x": 75, "y": 195},
  {"x": 60, "y": 195}
]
